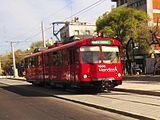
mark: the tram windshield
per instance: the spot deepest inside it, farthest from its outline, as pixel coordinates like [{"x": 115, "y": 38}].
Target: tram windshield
[
  {"x": 110, "y": 54},
  {"x": 91, "y": 54}
]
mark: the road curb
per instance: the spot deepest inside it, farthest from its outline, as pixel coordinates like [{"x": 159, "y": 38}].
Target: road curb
[
  {"x": 127, "y": 114},
  {"x": 21, "y": 79},
  {"x": 144, "y": 92},
  {"x": 142, "y": 78}
]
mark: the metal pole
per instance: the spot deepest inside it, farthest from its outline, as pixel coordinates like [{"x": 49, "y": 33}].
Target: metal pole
[
  {"x": 0, "y": 64},
  {"x": 14, "y": 62},
  {"x": 42, "y": 30},
  {"x": 0, "y": 67}
]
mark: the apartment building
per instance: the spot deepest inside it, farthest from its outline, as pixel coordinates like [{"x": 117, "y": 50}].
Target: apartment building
[
  {"x": 78, "y": 29},
  {"x": 152, "y": 7}
]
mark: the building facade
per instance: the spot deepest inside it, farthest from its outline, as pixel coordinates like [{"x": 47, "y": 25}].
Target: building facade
[
  {"x": 152, "y": 7},
  {"x": 77, "y": 29}
]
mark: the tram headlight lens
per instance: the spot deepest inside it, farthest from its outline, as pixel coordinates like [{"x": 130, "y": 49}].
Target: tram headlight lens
[
  {"x": 85, "y": 76},
  {"x": 119, "y": 74}
]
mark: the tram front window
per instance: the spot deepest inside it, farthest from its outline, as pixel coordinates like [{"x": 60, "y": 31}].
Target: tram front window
[
  {"x": 110, "y": 54},
  {"x": 90, "y": 54}
]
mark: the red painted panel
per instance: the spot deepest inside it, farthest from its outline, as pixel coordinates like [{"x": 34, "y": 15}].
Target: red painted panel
[{"x": 101, "y": 71}]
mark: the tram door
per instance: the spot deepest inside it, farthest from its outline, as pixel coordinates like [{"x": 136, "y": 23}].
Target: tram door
[{"x": 73, "y": 64}]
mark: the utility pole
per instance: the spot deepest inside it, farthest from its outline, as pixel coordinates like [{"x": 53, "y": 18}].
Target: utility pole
[
  {"x": 43, "y": 38},
  {"x": 0, "y": 64},
  {"x": 0, "y": 67},
  {"x": 14, "y": 62}
]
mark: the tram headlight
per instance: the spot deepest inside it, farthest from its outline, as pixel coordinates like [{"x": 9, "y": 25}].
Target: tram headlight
[
  {"x": 119, "y": 75},
  {"x": 85, "y": 76}
]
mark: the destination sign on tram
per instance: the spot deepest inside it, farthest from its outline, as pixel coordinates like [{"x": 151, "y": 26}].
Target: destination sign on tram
[{"x": 94, "y": 42}]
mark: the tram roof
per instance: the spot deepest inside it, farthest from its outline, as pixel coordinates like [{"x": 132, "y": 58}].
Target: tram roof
[
  {"x": 34, "y": 54},
  {"x": 68, "y": 45},
  {"x": 73, "y": 44}
]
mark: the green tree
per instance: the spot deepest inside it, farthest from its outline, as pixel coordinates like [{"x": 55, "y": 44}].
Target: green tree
[
  {"x": 129, "y": 26},
  {"x": 19, "y": 56},
  {"x": 122, "y": 23},
  {"x": 37, "y": 44},
  {"x": 6, "y": 62}
]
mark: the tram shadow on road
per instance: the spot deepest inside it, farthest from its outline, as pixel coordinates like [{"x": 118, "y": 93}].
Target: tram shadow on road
[
  {"x": 35, "y": 91},
  {"x": 24, "y": 90}
]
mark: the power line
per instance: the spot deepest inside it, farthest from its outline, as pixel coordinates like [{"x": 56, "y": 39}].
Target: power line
[
  {"x": 79, "y": 12},
  {"x": 23, "y": 33},
  {"x": 84, "y": 9},
  {"x": 2, "y": 44},
  {"x": 92, "y": 7},
  {"x": 56, "y": 12},
  {"x": 36, "y": 34}
]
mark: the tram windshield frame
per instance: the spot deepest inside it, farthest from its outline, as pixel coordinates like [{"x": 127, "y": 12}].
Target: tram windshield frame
[{"x": 99, "y": 54}]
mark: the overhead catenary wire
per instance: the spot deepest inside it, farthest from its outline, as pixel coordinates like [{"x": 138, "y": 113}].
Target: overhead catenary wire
[
  {"x": 79, "y": 12},
  {"x": 27, "y": 39},
  {"x": 56, "y": 12},
  {"x": 84, "y": 9},
  {"x": 10, "y": 39},
  {"x": 36, "y": 34},
  {"x": 91, "y": 7}
]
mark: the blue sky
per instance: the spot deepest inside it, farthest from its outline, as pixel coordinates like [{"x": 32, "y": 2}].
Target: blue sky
[{"x": 20, "y": 19}]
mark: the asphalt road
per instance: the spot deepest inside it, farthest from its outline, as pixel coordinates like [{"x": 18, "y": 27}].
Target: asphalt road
[{"x": 22, "y": 103}]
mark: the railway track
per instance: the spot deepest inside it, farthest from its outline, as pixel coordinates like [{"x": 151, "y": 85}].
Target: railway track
[{"x": 128, "y": 104}]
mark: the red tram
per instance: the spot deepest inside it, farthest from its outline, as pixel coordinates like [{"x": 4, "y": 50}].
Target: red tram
[{"x": 93, "y": 62}]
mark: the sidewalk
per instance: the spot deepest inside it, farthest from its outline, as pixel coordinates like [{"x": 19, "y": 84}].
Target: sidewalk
[
  {"x": 144, "y": 84},
  {"x": 12, "y": 77},
  {"x": 142, "y": 78}
]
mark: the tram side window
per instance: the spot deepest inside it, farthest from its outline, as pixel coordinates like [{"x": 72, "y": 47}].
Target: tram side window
[
  {"x": 70, "y": 57},
  {"x": 26, "y": 63},
  {"x": 36, "y": 61},
  {"x": 59, "y": 58},
  {"x": 50, "y": 58},
  {"x": 29, "y": 62},
  {"x": 39, "y": 60},
  {"x": 33, "y": 62},
  {"x": 65, "y": 57},
  {"x": 74, "y": 56},
  {"x": 46, "y": 60},
  {"x": 54, "y": 58}
]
